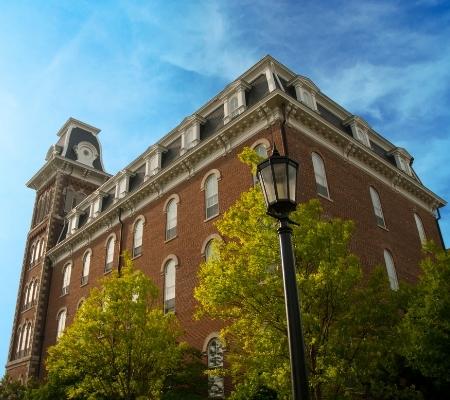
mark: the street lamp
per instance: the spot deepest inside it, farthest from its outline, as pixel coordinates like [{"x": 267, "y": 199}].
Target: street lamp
[{"x": 278, "y": 177}]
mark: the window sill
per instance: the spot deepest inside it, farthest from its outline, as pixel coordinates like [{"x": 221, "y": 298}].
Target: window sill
[
  {"x": 210, "y": 218},
  {"x": 169, "y": 240},
  {"x": 383, "y": 227},
  {"x": 107, "y": 272},
  {"x": 84, "y": 284},
  {"x": 325, "y": 197},
  {"x": 135, "y": 257}
]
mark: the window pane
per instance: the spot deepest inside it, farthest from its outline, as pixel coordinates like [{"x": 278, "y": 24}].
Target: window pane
[
  {"x": 320, "y": 175},
  {"x": 211, "y": 196},
  {"x": 171, "y": 220},
  {"x": 61, "y": 323},
  {"x": 392, "y": 274},
  {"x": 261, "y": 151},
  {"x": 86, "y": 263},
  {"x": 137, "y": 239},
  {"x": 281, "y": 180},
  {"x": 169, "y": 286},
  {"x": 377, "y": 207},
  {"x": 420, "y": 229}
]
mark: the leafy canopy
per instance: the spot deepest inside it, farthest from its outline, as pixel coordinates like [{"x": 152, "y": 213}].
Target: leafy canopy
[
  {"x": 120, "y": 345},
  {"x": 349, "y": 319}
]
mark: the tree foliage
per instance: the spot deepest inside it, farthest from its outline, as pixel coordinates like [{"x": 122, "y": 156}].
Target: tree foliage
[
  {"x": 426, "y": 326},
  {"x": 120, "y": 345},
  {"x": 349, "y": 319}
]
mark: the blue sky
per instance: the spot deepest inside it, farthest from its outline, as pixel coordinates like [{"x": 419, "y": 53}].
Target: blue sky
[{"x": 135, "y": 69}]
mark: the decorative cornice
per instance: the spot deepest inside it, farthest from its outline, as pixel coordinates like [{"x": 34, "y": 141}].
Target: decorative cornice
[
  {"x": 267, "y": 112},
  {"x": 60, "y": 164}
]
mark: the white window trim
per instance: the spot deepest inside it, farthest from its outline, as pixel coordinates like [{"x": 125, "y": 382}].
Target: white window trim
[
  {"x": 139, "y": 218},
  {"x": 317, "y": 174},
  {"x": 111, "y": 236},
  {"x": 375, "y": 198},
  {"x": 391, "y": 270},
  {"x": 420, "y": 229},
  {"x": 58, "y": 331}
]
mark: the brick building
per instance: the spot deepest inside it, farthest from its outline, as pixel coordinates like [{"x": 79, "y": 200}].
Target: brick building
[{"x": 162, "y": 206}]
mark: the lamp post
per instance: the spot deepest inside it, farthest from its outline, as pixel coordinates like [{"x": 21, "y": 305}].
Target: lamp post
[{"x": 278, "y": 177}]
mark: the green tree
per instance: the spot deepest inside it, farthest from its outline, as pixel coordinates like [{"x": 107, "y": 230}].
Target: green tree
[
  {"x": 349, "y": 319},
  {"x": 120, "y": 345},
  {"x": 426, "y": 326}
]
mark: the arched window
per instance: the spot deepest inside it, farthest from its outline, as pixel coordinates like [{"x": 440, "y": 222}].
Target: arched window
[
  {"x": 420, "y": 229},
  {"x": 390, "y": 267},
  {"x": 86, "y": 267},
  {"x": 307, "y": 99},
  {"x": 169, "y": 286},
  {"x": 80, "y": 303},
  {"x": 67, "y": 270},
  {"x": 35, "y": 290},
  {"x": 233, "y": 106},
  {"x": 109, "y": 253},
  {"x": 42, "y": 247},
  {"x": 28, "y": 338},
  {"x": 19, "y": 339},
  {"x": 137, "y": 237},
  {"x": 376, "y": 203},
  {"x": 261, "y": 150},
  {"x": 215, "y": 360},
  {"x": 171, "y": 219},
  {"x": 61, "y": 323},
  {"x": 211, "y": 196},
  {"x": 320, "y": 175},
  {"x": 23, "y": 340},
  {"x": 37, "y": 253},
  {"x": 32, "y": 252},
  {"x": 29, "y": 295},
  {"x": 209, "y": 250}
]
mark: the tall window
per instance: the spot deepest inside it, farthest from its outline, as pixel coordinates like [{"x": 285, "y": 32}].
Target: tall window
[
  {"x": 37, "y": 253},
  {"x": 86, "y": 267},
  {"x": 29, "y": 295},
  {"x": 19, "y": 339},
  {"x": 320, "y": 175},
  {"x": 376, "y": 203},
  {"x": 233, "y": 106},
  {"x": 137, "y": 237},
  {"x": 109, "y": 254},
  {"x": 390, "y": 267},
  {"x": 61, "y": 323},
  {"x": 171, "y": 219},
  {"x": 420, "y": 229},
  {"x": 211, "y": 196},
  {"x": 169, "y": 286},
  {"x": 28, "y": 338},
  {"x": 32, "y": 252},
  {"x": 35, "y": 290},
  {"x": 66, "y": 278},
  {"x": 209, "y": 250},
  {"x": 215, "y": 360}
]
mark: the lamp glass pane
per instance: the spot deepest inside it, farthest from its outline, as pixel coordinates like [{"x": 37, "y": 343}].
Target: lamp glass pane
[
  {"x": 267, "y": 184},
  {"x": 292, "y": 171},
  {"x": 281, "y": 180}
]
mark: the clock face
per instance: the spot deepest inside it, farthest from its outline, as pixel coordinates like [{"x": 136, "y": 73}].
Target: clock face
[{"x": 86, "y": 153}]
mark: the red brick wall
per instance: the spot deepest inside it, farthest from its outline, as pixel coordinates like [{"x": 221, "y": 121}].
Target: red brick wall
[{"x": 349, "y": 192}]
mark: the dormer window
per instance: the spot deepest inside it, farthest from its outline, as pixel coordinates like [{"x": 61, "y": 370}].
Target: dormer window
[
  {"x": 233, "y": 107},
  {"x": 402, "y": 159},
  {"x": 305, "y": 91},
  {"x": 153, "y": 161},
  {"x": 360, "y": 129},
  {"x": 234, "y": 101},
  {"x": 190, "y": 135},
  {"x": 123, "y": 185}
]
